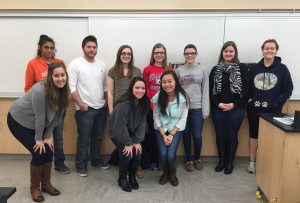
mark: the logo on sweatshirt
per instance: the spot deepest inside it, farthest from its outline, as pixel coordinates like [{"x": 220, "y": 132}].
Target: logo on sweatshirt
[{"x": 265, "y": 81}]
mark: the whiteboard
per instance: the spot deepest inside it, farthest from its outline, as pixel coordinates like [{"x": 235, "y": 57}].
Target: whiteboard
[
  {"x": 20, "y": 32},
  {"x": 250, "y": 32},
  {"x": 19, "y": 38},
  {"x": 142, "y": 33}
]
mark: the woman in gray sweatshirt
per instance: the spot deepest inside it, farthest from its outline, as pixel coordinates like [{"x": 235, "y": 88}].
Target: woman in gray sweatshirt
[
  {"x": 31, "y": 120},
  {"x": 126, "y": 128},
  {"x": 195, "y": 81}
]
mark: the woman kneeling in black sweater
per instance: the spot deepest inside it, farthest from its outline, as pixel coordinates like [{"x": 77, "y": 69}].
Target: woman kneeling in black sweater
[{"x": 127, "y": 126}]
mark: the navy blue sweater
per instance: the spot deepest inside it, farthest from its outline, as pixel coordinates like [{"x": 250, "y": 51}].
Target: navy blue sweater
[{"x": 270, "y": 87}]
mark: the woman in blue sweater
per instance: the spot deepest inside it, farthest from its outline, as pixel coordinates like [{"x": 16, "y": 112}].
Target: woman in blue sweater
[
  {"x": 169, "y": 114},
  {"x": 270, "y": 87}
]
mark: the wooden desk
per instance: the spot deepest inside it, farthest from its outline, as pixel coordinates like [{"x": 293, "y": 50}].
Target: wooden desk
[{"x": 278, "y": 160}]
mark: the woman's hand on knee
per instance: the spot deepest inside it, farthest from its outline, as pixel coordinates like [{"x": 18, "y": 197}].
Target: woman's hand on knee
[
  {"x": 127, "y": 150},
  {"x": 49, "y": 142},
  {"x": 138, "y": 148},
  {"x": 39, "y": 145}
]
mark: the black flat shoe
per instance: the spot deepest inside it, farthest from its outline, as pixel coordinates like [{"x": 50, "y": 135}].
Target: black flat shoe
[
  {"x": 124, "y": 184},
  {"x": 133, "y": 182}
]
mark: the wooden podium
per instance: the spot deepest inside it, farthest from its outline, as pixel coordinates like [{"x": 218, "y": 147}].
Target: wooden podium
[{"x": 278, "y": 160}]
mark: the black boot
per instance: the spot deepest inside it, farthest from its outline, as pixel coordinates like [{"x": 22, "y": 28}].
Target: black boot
[
  {"x": 165, "y": 176},
  {"x": 124, "y": 184},
  {"x": 133, "y": 166},
  {"x": 230, "y": 159},
  {"x": 122, "y": 181},
  {"x": 221, "y": 164},
  {"x": 133, "y": 182},
  {"x": 173, "y": 177},
  {"x": 228, "y": 167}
]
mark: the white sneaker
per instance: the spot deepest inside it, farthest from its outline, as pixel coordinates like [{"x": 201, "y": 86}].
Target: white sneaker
[{"x": 251, "y": 167}]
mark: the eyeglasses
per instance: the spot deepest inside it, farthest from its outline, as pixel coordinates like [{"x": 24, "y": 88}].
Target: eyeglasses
[
  {"x": 159, "y": 53},
  {"x": 126, "y": 53},
  {"x": 190, "y": 53}
]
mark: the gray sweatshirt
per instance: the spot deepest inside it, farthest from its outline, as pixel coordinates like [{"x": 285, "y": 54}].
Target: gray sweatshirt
[
  {"x": 127, "y": 124},
  {"x": 195, "y": 81},
  {"x": 32, "y": 111}
]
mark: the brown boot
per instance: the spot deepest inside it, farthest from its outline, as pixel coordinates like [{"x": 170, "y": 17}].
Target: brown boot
[
  {"x": 165, "y": 176},
  {"x": 173, "y": 178},
  {"x": 46, "y": 185},
  {"x": 35, "y": 179}
]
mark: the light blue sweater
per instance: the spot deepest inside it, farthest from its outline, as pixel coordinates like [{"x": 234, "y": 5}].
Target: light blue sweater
[{"x": 176, "y": 114}]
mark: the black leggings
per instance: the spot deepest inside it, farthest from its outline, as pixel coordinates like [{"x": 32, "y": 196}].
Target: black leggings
[{"x": 26, "y": 137}]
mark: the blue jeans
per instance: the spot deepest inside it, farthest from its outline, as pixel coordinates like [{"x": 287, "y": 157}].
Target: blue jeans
[
  {"x": 59, "y": 156},
  {"x": 127, "y": 163},
  {"x": 167, "y": 154},
  {"x": 193, "y": 129},
  {"x": 90, "y": 128},
  {"x": 227, "y": 125}
]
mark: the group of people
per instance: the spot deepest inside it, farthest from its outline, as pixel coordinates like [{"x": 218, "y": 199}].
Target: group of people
[{"x": 148, "y": 111}]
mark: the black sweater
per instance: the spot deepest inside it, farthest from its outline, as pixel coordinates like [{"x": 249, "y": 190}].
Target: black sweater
[
  {"x": 127, "y": 123},
  {"x": 226, "y": 96},
  {"x": 270, "y": 87}
]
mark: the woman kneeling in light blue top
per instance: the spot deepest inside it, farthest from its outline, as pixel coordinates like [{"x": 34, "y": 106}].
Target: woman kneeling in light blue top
[{"x": 169, "y": 114}]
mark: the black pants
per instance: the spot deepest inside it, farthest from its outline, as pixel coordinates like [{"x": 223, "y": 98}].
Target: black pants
[
  {"x": 128, "y": 163},
  {"x": 149, "y": 144},
  {"x": 26, "y": 137}
]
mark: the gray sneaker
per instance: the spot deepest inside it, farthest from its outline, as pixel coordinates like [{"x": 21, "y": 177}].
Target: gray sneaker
[
  {"x": 82, "y": 173},
  {"x": 251, "y": 167},
  {"x": 102, "y": 165}
]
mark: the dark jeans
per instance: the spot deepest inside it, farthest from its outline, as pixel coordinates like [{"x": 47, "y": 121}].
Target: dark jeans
[
  {"x": 193, "y": 129},
  {"x": 167, "y": 154},
  {"x": 127, "y": 163},
  {"x": 227, "y": 125},
  {"x": 26, "y": 137},
  {"x": 90, "y": 128},
  {"x": 59, "y": 156},
  {"x": 150, "y": 141}
]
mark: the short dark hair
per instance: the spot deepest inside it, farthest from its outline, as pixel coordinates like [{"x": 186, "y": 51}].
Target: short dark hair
[
  {"x": 190, "y": 46},
  {"x": 270, "y": 41},
  {"x": 90, "y": 38}
]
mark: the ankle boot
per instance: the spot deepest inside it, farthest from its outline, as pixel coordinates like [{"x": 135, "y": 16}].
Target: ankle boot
[
  {"x": 125, "y": 185},
  {"x": 173, "y": 178},
  {"x": 46, "y": 184},
  {"x": 35, "y": 179},
  {"x": 133, "y": 182},
  {"x": 221, "y": 164},
  {"x": 165, "y": 176}
]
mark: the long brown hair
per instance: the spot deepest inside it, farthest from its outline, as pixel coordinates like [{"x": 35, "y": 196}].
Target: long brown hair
[
  {"x": 118, "y": 67},
  {"x": 152, "y": 60},
  {"x": 236, "y": 55},
  {"x": 57, "y": 98}
]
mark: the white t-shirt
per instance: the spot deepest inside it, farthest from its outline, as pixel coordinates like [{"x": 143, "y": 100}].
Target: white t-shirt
[{"x": 89, "y": 80}]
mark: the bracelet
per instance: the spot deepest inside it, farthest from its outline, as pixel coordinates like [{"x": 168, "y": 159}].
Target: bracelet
[{"x": 171, "y": 134}]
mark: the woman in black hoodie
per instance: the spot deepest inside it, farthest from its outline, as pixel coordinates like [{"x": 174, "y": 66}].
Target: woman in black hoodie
[
  {"x": 270, "y": 87},
  {"x": 127, "y": 126}
]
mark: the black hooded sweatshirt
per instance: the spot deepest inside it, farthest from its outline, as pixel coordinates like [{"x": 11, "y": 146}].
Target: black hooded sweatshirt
[{"x": 270, "y": 87}]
